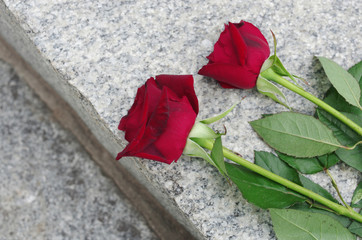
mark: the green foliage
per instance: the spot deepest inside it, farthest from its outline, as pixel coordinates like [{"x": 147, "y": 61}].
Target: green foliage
[
  {"x": 218, "y": 117},
  {"x": 338, "y": 102},
  {"x": 356, "y": 227},
  {"x": 357, "y": 196},
  {"x": 335, "y": 100},
  {"x": 346, "y": 136},
  {"x": 193, "y": 149},
  {"x": 201, "y": 130},
  {"x": 356, "y": 72},
  {"x": 328, "y": 160},
  {"x": 315, "y": 208},
  {"x": 290, "y": 224},
  {"x": 218, "y": 157},
  {"x": 272, "y": 163},
  {"x": 296, "y": 134},
  {"x": 261, "y": 191},
  {"x": 309, "y": 184},
  {"x": 345, "y": 84},
  {"x": 310, "y": 165}
]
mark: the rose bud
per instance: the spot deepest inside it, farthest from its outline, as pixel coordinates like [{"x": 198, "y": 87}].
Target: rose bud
[
  {"x": 238, "y": 56},
  {"x": 160, "y": 119}
]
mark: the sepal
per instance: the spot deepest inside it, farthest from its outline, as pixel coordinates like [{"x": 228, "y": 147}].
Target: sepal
[{"x": 270, "y": 90}]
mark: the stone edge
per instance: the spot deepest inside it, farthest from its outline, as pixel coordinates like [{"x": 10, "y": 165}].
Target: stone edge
[{"x": 83, "y": 121}]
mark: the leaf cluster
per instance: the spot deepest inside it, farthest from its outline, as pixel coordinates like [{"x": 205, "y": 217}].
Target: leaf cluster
[{"x": 307, "y": 145}]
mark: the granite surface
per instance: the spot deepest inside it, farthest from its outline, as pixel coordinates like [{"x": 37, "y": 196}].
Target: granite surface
[
  {"x": 106, "y": 49},
  {"x": 50, "y": 188}
]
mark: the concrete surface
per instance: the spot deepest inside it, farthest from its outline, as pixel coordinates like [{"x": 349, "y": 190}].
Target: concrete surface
[{"x": 50, "y": 188}]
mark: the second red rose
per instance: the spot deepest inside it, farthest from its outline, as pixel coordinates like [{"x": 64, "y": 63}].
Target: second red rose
[{"x": 238, "y": 56}]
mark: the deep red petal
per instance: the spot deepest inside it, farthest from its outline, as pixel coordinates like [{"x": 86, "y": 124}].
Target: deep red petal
[
  {"x": 166, "y": 133},
  {"x": 181, "y": 85},
  {"x": 145, "y": 103},
  {"x": 135, "y": 109},
  {"x": 225, "y": 85},
  {"x": 224, "y": 51},
  {"x": 136, "y": 117},
  {"x": 182, "y": 118},
  {"x": 258, "y": 47},
  {"x": 239, "y": 44},
  {"x": 170, "y": 145},
  {"x": 236, "y": 76},
  {"x": 132, "y": 134},
  {"x": 152, "y": 129}
]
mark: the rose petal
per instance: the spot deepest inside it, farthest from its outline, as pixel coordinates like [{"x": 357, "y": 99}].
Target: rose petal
[
  {"x": 258, "y": 48},
  {"x": 233, "y": 75},
  {"x": 172, "y": 142},
  {"x": 182, "y": 85},
  {"x": 225, "y": 85},
  {"x": 141, "y": 109},
  {"x": 152, "y": 128},
  {"x": 244, "y": 49},
  {"x": 224, "y": 51},
  {"x": 166, "y": 133},
  {"x": 238, "y": 43}
]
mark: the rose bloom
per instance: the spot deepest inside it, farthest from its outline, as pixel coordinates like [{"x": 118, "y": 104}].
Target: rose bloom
[
  {"x": 160, "y": 119},
  {"x": 238, "y": 56}
]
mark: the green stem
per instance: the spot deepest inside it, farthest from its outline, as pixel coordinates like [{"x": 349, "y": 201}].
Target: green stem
[
  {"x": 337, "y": 189},
  {"x": 208, "y": 144},
  {"x": 271, "y": 75}
]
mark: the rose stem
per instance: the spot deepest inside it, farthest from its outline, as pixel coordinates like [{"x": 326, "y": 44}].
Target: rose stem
[
  {"x": 271, "y": 75},
  {"x": 208, "y": 144},
  {"x": 336, "y": 188}
]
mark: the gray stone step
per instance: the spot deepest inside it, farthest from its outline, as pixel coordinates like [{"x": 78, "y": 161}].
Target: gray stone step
[
  {"x": 95, "y": 54},
  {"x": 50, "y": 188}
]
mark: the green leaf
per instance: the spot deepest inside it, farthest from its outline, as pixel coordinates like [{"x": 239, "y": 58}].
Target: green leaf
[
  {"x": 328, "y": 160},
  {"x": 261, "y": 191},
  {"x": 343, "y": 133},
  {"x": 346, "y": 136},
  {"x": 303, "y": 165},
  {"x": 356, "y": 71},
  {"x": 345, "y": 84},
  {"x": 351, "y": 157},
  {"x": 272, "y": 163},
  {"x": 357, "y": 196},
  {"x": 345, "y": 221},
  {"x": 310, "y": 165},
  {"x": 218, "y": 117},
  {"x": 356, "y": 227},
  {"x": 296, "y": 134},
  {"x": 309, "y": 184},
  {"x": 218, "y": 157},
  {"x": 270, "y": 90},
  {"x": 290, "y": 224},
  {"x": 338, "y": 102},
  {"x": 195, "y": 150}
]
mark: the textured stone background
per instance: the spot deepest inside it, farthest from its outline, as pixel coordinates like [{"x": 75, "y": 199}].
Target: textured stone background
[
  {"x": 106, "y": 49},
  {"x": 50, "y": 188}
]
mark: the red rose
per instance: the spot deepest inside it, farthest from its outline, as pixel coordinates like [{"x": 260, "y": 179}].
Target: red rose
[
  {"x": 238, "y": 56},
  {"x": 160, "y": 119}
]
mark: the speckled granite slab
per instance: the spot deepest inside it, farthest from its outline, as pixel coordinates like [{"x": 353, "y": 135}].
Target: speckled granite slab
[
  {"x": 50, "y": 187},
  {"x": 96, "y": 54}
]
